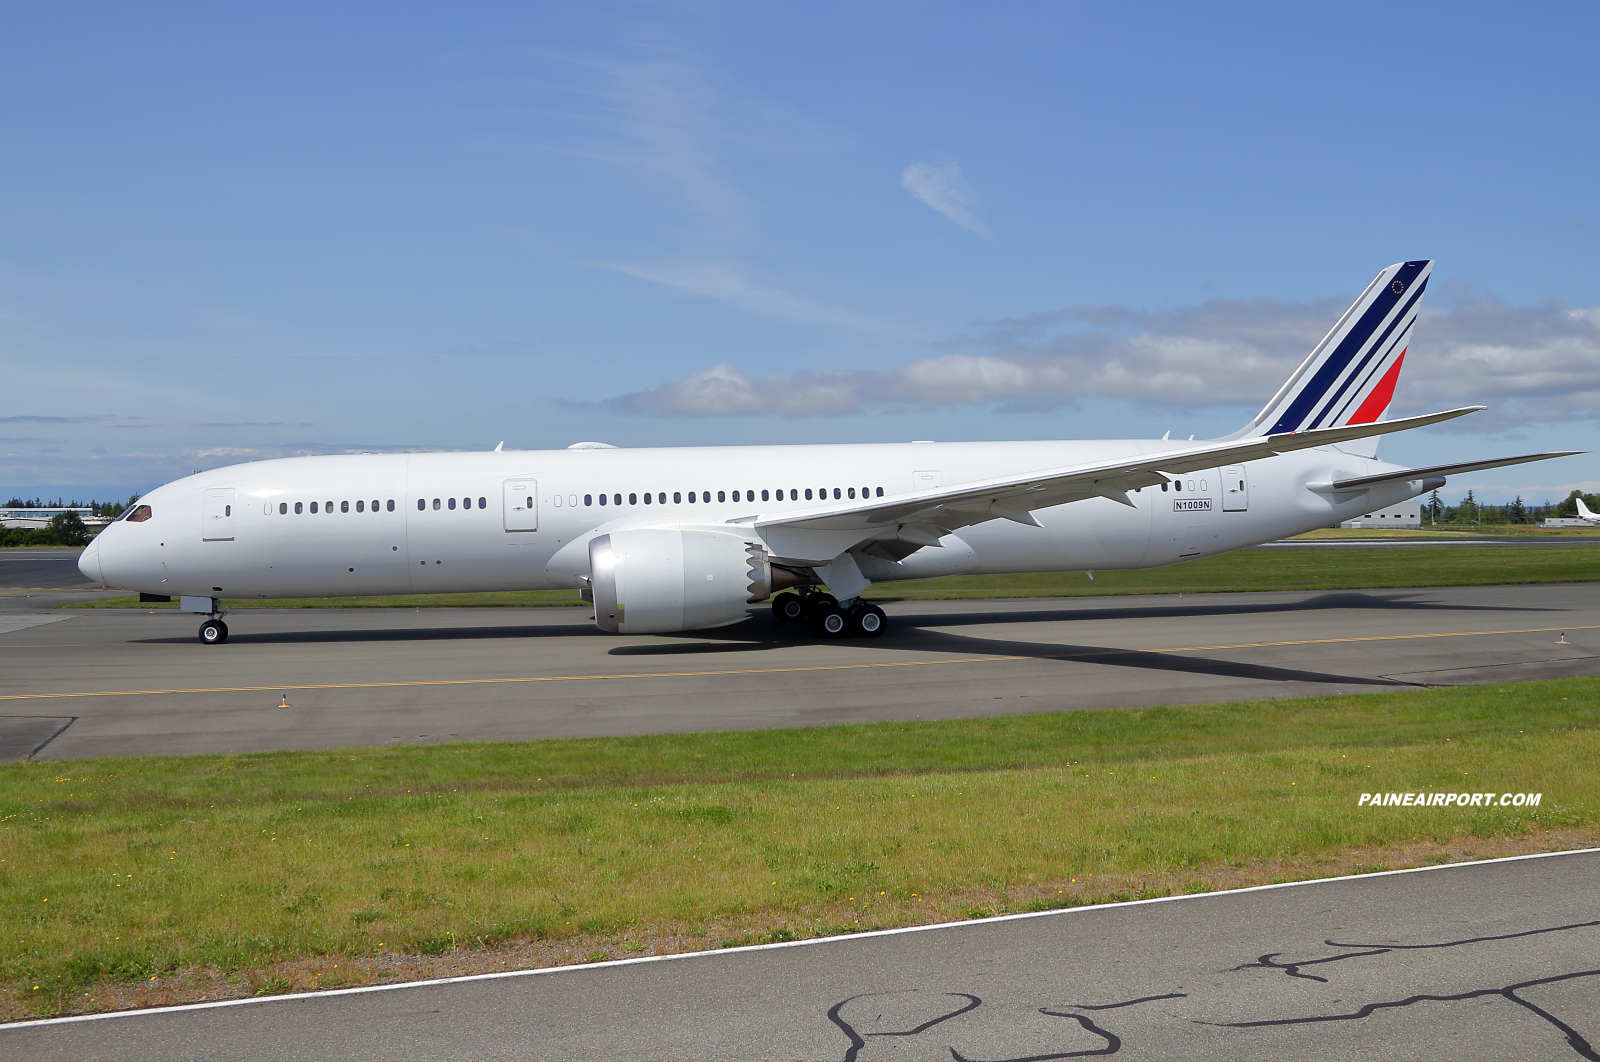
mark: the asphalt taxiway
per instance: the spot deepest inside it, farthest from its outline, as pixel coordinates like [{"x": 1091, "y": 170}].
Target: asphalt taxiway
[
  {"x": 133, "y": 682},
  {"x": 1477, "y": 961}
]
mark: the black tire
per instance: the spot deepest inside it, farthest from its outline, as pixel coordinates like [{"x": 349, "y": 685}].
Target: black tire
[
  {"x": 789, "y": 608},
  {"x": 213, "y": 632},
  {"x": 827, "y": 621},
  {"x": 820, "y": 600},
  {"x": 867, "y": 621}
]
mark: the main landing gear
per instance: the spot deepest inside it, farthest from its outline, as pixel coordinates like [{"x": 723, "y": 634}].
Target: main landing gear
[
  {"x": 827, "y": 617},
  {"x": 213, "y": 632}
]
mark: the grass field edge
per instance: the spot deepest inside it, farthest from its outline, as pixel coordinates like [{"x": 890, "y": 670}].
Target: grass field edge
[{"x": 501, "y": 975}]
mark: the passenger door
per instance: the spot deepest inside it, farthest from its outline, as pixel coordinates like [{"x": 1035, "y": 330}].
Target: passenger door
[
  {"x": 521, "y": 505},
  {"x": 216, "y": 521}
]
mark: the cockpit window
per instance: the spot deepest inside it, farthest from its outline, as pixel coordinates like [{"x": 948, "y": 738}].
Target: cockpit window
[{"x": 138, "y": 514}]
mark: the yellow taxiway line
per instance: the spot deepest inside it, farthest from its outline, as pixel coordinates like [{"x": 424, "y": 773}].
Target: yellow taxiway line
[{"x": 771, "y": 670}]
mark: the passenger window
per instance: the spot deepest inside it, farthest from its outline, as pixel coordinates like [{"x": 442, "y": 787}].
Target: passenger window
[
  {"x": 662, "y": 497},
  {"x": 227, "y": 510},
  {"x": 677, "y": 497},
  {"x": 313, "y": 506},
  {"x": 633, "y": 499},
  {"x": 808, "y": 494},
  {"x": 344, "y": 507},
  {"x": 298, "y": 508},
  {"x": 483, "y": 503},
  {"x": 1163, "y": 487},
  {"x": 794, "y": 495},
  {"x": 283, "y": 508},
  {"x": 617, "y": 498},
  {"x": 602, "y": 499},
  {"x": 327, "y": 507},
  {"x": 421, "y": 505},
  {"x": 721, "y": 496},
  {"x": 558, "y": 501},
  {"x": 450, "y": 503},
  {"x": 763, "y": 495},
  {"x": 836, "y": 493},
  {"x": 880, "y": 492},
  {"x": 361, "y": 506},
  {"x": 735, "y": 495},
  {"x": 1191, "y": 484},
  {"x": 1177, "y": 484},
  {"x": 691, "y": 497},
  {"x": 588, "y": 499},
  {"x": 436, "y": 505},
  {"x": 1203, "y": 485},
  {"x": 852, "y": 492}
]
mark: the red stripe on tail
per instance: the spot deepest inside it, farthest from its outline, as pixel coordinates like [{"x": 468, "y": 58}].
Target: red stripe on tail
[{"x": 1379, "y": 399}]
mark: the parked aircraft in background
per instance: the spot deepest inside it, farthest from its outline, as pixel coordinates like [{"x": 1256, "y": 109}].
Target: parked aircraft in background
[
  {"x": 1584, "y": 514},
  {"x": 688, "y": 538}
]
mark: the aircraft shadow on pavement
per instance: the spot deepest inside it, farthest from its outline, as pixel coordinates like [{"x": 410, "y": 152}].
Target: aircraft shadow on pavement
[
  {"x": 379, "y": 634},
  {"x": 915, "y": 640},
  {"x": 1385, "y": 978},
  {"x": 1338, "y": 600},
  {"x": 911, "y": 633}
]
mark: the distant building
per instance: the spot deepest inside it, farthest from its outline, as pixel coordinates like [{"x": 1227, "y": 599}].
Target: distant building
[
  {"x": 1404, "y": 514},
  {"x": 14, "y": 517},
  {"x": 1565, "y": 521}
]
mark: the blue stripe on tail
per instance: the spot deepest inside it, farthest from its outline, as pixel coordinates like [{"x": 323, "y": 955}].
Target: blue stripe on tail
[{"x": 1315, "y": 390}]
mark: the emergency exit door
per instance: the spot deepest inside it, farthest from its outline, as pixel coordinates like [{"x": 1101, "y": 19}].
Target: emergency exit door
[{"x": 522, "y": 505}]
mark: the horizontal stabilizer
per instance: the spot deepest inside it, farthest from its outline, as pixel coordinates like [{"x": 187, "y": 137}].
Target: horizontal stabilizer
[{"x": 1446, "y": 470}]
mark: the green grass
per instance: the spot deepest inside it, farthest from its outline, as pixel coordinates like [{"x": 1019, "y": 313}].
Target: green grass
[
  {"x": 1452, "y": 531},
  {"x": 1345, "y": 569},
  {"x": 116, "y": 871}
]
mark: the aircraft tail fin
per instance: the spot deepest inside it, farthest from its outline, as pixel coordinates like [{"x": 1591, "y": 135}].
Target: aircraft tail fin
[
  {"x": 1583, "y": 510},
  {"x": 1349, "y": 378}
]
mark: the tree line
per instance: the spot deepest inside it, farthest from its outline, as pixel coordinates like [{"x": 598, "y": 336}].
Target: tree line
[
  {"x": 64, "y": 529},
  {"x": 1472, "y": 511}
]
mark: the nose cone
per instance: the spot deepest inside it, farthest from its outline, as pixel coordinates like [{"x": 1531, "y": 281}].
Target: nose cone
[{"x": 89, "y": 563}]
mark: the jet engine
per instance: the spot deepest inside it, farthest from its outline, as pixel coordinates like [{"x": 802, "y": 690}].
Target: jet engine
[{"x": 653, "y": 580}]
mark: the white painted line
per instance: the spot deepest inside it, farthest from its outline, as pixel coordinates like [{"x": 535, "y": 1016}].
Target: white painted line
[
  {"x": 22, "y": 623},
  {"x": 611, "y": 963}
]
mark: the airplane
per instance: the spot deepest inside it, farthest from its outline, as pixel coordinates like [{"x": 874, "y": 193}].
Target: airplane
[
  {"x": 688, "y": 538},
  {"x": 1584, "y": 514}
]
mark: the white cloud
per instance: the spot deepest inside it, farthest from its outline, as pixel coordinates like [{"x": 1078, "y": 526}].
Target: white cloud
[
  {"x": 728, "y": 283},
  {"x": 941, "y": 186},
  {"x": 1529, "y": 364}
]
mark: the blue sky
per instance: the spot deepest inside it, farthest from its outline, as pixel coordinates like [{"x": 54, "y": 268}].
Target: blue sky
[{"x": 231, "y": 233}]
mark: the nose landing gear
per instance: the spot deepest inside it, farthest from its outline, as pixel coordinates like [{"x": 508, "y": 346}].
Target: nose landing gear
[{"x": 213, "y": 632}]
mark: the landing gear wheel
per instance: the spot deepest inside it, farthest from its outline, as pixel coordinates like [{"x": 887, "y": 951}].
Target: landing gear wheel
[
  {"x": 828, "y": 621},
  {"x": 213, "y": 632},
  {"x": 867, "y": 622},
  {"x": 788, "y": 608},
  {"x": 820, "y": 600}
]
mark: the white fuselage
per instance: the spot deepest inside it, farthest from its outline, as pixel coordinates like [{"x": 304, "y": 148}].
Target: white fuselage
[{"x": 249, "y": 531}]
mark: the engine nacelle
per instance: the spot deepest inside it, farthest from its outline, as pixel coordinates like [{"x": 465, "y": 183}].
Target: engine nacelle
[{"x": 652, "y": 580}]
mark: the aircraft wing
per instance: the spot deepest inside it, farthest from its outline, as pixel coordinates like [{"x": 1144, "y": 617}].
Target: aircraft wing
[
  {"x": 924, "y": 516},
  {"x": 1446, "y": 470}
]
